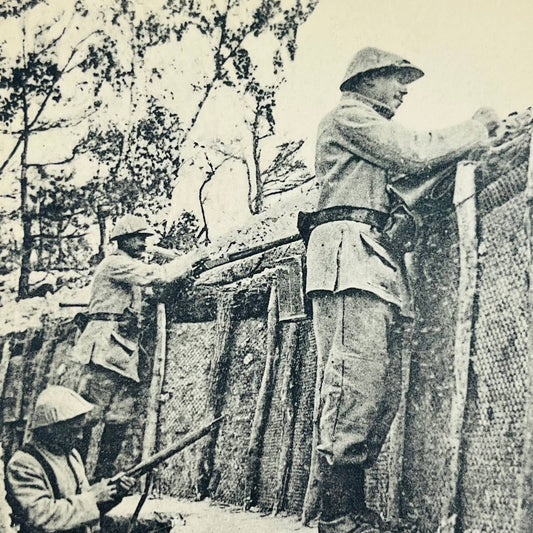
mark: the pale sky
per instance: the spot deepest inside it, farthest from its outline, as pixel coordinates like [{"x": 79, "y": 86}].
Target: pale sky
[{"x": 474, "y": 53}]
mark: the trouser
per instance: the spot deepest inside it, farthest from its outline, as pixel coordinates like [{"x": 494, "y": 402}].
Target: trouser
[
  {"x": 359, "y": 343},
  {"x": 107, "y": 446}
]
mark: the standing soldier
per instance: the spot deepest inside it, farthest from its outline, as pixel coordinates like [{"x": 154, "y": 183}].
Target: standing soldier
[
  {"x": 355, "y": 279},
  {"x": 109, "y": 345},
  {"x": 46, "y": 483}
]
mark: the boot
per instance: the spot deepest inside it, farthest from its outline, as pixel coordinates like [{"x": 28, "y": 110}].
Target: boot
[
  {"x": 365, "y": 521},
  {"x": 343, "y": 507}
]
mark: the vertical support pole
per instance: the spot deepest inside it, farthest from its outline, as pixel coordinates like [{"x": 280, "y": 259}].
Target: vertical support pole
[
  {"x": 289, "y": 354},
  {"x": 26, "y": 345},
  {"x": 524, "y": 511},
  {"x": 310, "y": 506},
  {"x": 156, "y": 384},
  {"x": 4, "y": 364},
  {"x": 465, "y": 205},
  {"x": 216, "y": 389},
  {"x": 264, "y": 398},
  {"x": 397, "y": 433}
]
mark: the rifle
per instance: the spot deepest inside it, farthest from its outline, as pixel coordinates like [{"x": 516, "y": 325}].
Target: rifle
[
  {"x": 167, "y": 253},
  {"x": 155, "y": 460},
  {"x": 203, "y": 266}
]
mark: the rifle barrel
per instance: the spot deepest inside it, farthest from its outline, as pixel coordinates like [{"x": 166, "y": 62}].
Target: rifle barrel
[
  {"x": 249, "y": 252},
  {"x": 146, "y": 465}
]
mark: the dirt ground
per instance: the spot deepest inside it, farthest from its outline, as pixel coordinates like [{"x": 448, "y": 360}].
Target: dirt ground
[{"x": 208, "y": 517}]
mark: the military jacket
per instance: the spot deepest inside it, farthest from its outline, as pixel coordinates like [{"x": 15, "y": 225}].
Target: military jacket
[
  {"x": 29, "y": 485},
  {"x": 117, "y": 287},
  {"x": 359, "y": 152}
]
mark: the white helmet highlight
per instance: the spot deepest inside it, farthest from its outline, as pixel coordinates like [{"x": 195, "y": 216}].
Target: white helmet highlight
[
  {"x": 130, "y": 225},
  {"x": 57, "y": 404}
]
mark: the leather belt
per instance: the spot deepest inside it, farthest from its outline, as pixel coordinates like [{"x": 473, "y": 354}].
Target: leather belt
[
  {"x": 106, "y": 316},
  {"x": 307, "y": 222}
]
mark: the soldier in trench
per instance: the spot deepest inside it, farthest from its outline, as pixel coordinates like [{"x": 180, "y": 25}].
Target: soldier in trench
[
  {"x": 46, "y": 483},
  {"x": 109, "y": 345},
  {"x": 355, "y": 275}
]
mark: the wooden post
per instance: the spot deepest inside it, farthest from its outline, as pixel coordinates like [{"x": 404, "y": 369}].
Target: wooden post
[
  {"x": 156, "y": 384},
  {"x": 26, "y": 345},
  {"x": 524, "y": 511},
  {"x": 42, "y": 373},
  {"x": 289, "y": 354},
  {"x": 465, "y": 204},
  {"x": 216, "y": 389},
  {"x": 264, "y": 398},
  {"x": 397, "y": 435},
  {"x": 4, "y": 363},
  {"x": 310, "y": 506}
]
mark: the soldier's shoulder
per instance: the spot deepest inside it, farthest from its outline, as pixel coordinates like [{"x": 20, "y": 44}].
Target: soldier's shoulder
[
  {"x": 116, "y": 260},
  {"x": 22, "y": 460}
]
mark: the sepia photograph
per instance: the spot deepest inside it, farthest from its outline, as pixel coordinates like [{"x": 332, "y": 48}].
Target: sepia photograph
[{"x": 265, "y": 266}]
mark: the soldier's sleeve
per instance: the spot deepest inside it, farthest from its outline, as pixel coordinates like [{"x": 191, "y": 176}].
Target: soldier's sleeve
[
  {"x": 27, "y": 483},
  {"x": 135, "y": 272},
  {"x": 390, "y": 145}
]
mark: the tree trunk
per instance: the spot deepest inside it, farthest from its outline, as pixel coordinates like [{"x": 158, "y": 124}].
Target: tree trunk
[
  {"x": 102, "y": 233},
  {"x": 256, "y": 151},
  {"x": 25, "y": 211}
]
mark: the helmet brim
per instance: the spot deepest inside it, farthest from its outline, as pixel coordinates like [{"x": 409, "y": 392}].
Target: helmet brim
[
  {"x": 409, "y": 74},
  {"x": 146, "y": 233}
]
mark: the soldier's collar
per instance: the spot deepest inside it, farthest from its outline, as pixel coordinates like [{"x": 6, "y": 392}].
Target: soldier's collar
[{"x": 384, "y": 110}]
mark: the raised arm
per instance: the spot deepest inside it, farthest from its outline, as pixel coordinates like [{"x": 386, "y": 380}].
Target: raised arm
[{"x": 391, "y": 146}]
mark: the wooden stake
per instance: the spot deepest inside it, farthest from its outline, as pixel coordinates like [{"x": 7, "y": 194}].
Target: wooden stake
[
  {"x": 4, "y": 364},
  {"x": 465, "y": 202},
  {"x": 289, "y": 354},
  {"x": 26, "y": 345},
  {"x": 216, "y": 389},
  {"x": 156, "y": 384},
  {"x": 264, "y": 398},
  {"x": 311, "y": 503},
  {"x": 397, "y": 437}
]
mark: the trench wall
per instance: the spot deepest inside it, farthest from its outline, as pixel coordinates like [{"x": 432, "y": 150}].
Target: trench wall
[{"x": 491, "y": 455}]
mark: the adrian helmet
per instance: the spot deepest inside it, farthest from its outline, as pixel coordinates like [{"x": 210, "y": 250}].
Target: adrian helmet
[
  {"x": 130, "y": 225},
  {"x": 57, "y": 404},
  {"x": 369, "y": 59}
]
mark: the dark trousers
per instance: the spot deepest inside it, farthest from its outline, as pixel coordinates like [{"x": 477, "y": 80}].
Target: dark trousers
[{"x": 359, "y": 343}]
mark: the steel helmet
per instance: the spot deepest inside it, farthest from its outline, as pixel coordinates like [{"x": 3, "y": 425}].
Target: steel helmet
[
  {"x": 130, "y": 225},
  {"x": 57, "y": 404},
  {"x": 368, "y": 59}
]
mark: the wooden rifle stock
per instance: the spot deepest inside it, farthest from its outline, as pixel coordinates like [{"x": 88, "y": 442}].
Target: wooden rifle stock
[{"x": 158, "y": 458}]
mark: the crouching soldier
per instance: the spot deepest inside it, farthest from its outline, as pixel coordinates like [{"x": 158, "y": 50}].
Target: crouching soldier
[
  {"x": 46, "y": 483},
  {"x": 109, "y": 345}
]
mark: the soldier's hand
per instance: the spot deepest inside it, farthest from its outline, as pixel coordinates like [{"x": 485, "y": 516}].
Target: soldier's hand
[
  {"x": 104, "y": 491},
  {"x": 489, "y": 118},
  {"x": 125, "y": 485}
]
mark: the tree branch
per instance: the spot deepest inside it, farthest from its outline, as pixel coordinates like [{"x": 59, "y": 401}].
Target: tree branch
[{"x": 45, "y": 100}]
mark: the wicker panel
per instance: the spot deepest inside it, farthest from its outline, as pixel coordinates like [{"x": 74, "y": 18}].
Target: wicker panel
[
  {"x": 492, "y": 456},
  {"x": 243, "y": 381},
  {"x": 183, "y": 400}
]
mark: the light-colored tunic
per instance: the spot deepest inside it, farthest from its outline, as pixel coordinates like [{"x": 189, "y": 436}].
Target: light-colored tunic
[{"x": 30, "y": 486}]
